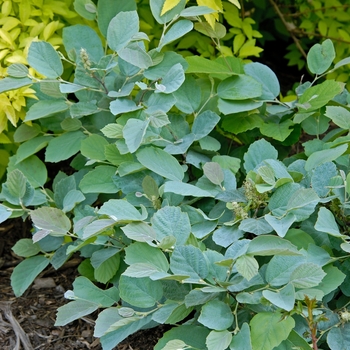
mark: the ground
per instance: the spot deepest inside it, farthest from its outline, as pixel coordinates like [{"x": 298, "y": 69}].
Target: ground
[{"x": 27, "y": 322}]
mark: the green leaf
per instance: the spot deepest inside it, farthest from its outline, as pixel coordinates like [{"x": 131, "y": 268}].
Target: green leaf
[
  {"x": 332, "y": 280},
  {"x": 269, "y": 329},
  {"x": 283, "y": 298},
  {"x": 307, "y": 275},
  {"x": 280, "y": 225},
  {"x": 25, "y": 132},
  {"x": 32, "y": 146},
  {"x": 32, "y": 168},
  {"x": 161, "y": 163},
  {"x": 326, "y": 223},
  {"x": 107, "y": 9},
  {"x": 278, "y": 131},
  {"x": 216, "y": 315},
  {"x": 190, "y": 261},
  {"x": 256, "y": 226},
  {"x": 185, "y": 189},
  {"x": 171, "y": 221},
  {"x": 339, "y": 337},
  {"x": 82, "y": 36},
  {"x": 266, "y": 77},
  {"x": 239, "y": 87},
  {"x": 99, "y": 180},
  {"x": 140, "y": 232},
  {"x": 73, "y": 311},
  {"x": 241, "y": 122},
  {"x": 271, "y": 245},
  {"x": 17, "y": 70},
  {"x": 134, "y": 132},
  {"x": 140, "y": 292},
  {"x": 86, "y": 9},
  {"x": 93, "y": 147},
  {"x": 142, "y": 253},
  {"x": 120, "y": 210},
  {"x": 326, "y": 155},
  {"x": 257, "y": 153},
  {"x": 26, "y": 272},
  {"x": 8, "y": 84},
  {"x": 242, "y": 339},
  {"x": 82, "y": 109},
  {"x": 231, "y": 106},
  {"x": 44, "y": 59},
  {"x": 280, "y": 268},
  {"x": 192, "y": 11},
  {"x": 16, "y": 184},
  {"x": 64, "y": 146},
  {"x": 213, "y": 172},
  {"x": 339, "y": 115},
  {"x": 198, "y": 64},
  {"x": 45, "y": 108},
  {"x": 319, "y": 95},
  {"x": 107, "y": 269},
  {"x": 247, "y": 266},
  {"x": 218, "y": 340},
  {"x": 136, "y": 55},
  {"x": 209, "y": 143},
  {"x": 26, "y": 248},
  {"x": 96, "y": 227},
  {"x": 51, "y": 219},
  {"x": 86, "y": 290},
  {"x": 176, "y": 31},
  {"x": 157, "y": 8},
  {"x": 5, "y": 213},
  {"x": 321, "y": 178},
  {"x": 121, "y": 29},
  {"x": 172, "y": 80},
  {"x": 204, "y": 124},
  {"x": 188, "y": 96},
  {"x": 320, "y": 57},
  {"x": 123, "y": 105}
]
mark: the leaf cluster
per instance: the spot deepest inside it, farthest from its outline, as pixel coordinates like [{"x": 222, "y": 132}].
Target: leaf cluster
[{"x": 186, "y": 197}]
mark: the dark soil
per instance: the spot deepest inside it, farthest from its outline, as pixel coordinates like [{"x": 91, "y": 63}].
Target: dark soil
[{"x": 27, "y": 322}]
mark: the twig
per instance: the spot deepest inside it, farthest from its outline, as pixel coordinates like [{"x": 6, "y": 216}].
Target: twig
[{"x": 285, "y": 23}]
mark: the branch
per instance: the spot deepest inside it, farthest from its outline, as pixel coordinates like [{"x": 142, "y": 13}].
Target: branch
[{"x": 288, "y": 27}]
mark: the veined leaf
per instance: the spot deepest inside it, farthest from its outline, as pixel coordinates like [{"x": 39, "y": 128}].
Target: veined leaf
[
  {"x": 51, "y": 219},
  {"x": 26, "y": 272},
  {"x": 74, "y": 310},
  {"x": 44, "y": 59},
  {"x": 216, "y": 315},
  {"x": 176, "y": 31},
  {"x": 8, "y": 84},
  {"x": 269, "y": 329},
  {"x": 46, "y": 108},
  {"x": 121, "y": 29},
  {"x": 218, "y": 340},
  {"x": 161, "y": 163},
  {"x": 140, "y": 292}
]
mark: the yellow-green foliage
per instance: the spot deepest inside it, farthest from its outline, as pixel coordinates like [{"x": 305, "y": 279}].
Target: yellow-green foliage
[
  {"x": 236, "y": 35},
  {"x": 21, "y": 22}
]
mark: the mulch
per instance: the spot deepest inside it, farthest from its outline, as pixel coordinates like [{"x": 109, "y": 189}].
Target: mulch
[{"x": 27, "y": 322}]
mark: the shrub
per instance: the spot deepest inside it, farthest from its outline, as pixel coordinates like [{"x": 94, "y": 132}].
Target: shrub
[{"x": 184, "y": 194}]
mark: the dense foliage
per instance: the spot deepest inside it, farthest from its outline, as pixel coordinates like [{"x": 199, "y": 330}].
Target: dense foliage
[{"x": 194, "y": 195}]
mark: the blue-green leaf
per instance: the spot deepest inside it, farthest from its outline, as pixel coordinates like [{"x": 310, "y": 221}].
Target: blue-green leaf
[
  {"x": 121, "y": 29},
  {"x": 44, "y": 59},
  {"x": 26, "y": 272},
  {"x": 161, "y": 163}
]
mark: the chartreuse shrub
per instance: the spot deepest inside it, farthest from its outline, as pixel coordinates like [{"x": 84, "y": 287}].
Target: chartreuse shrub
[{"x": 242, "y": 248}]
